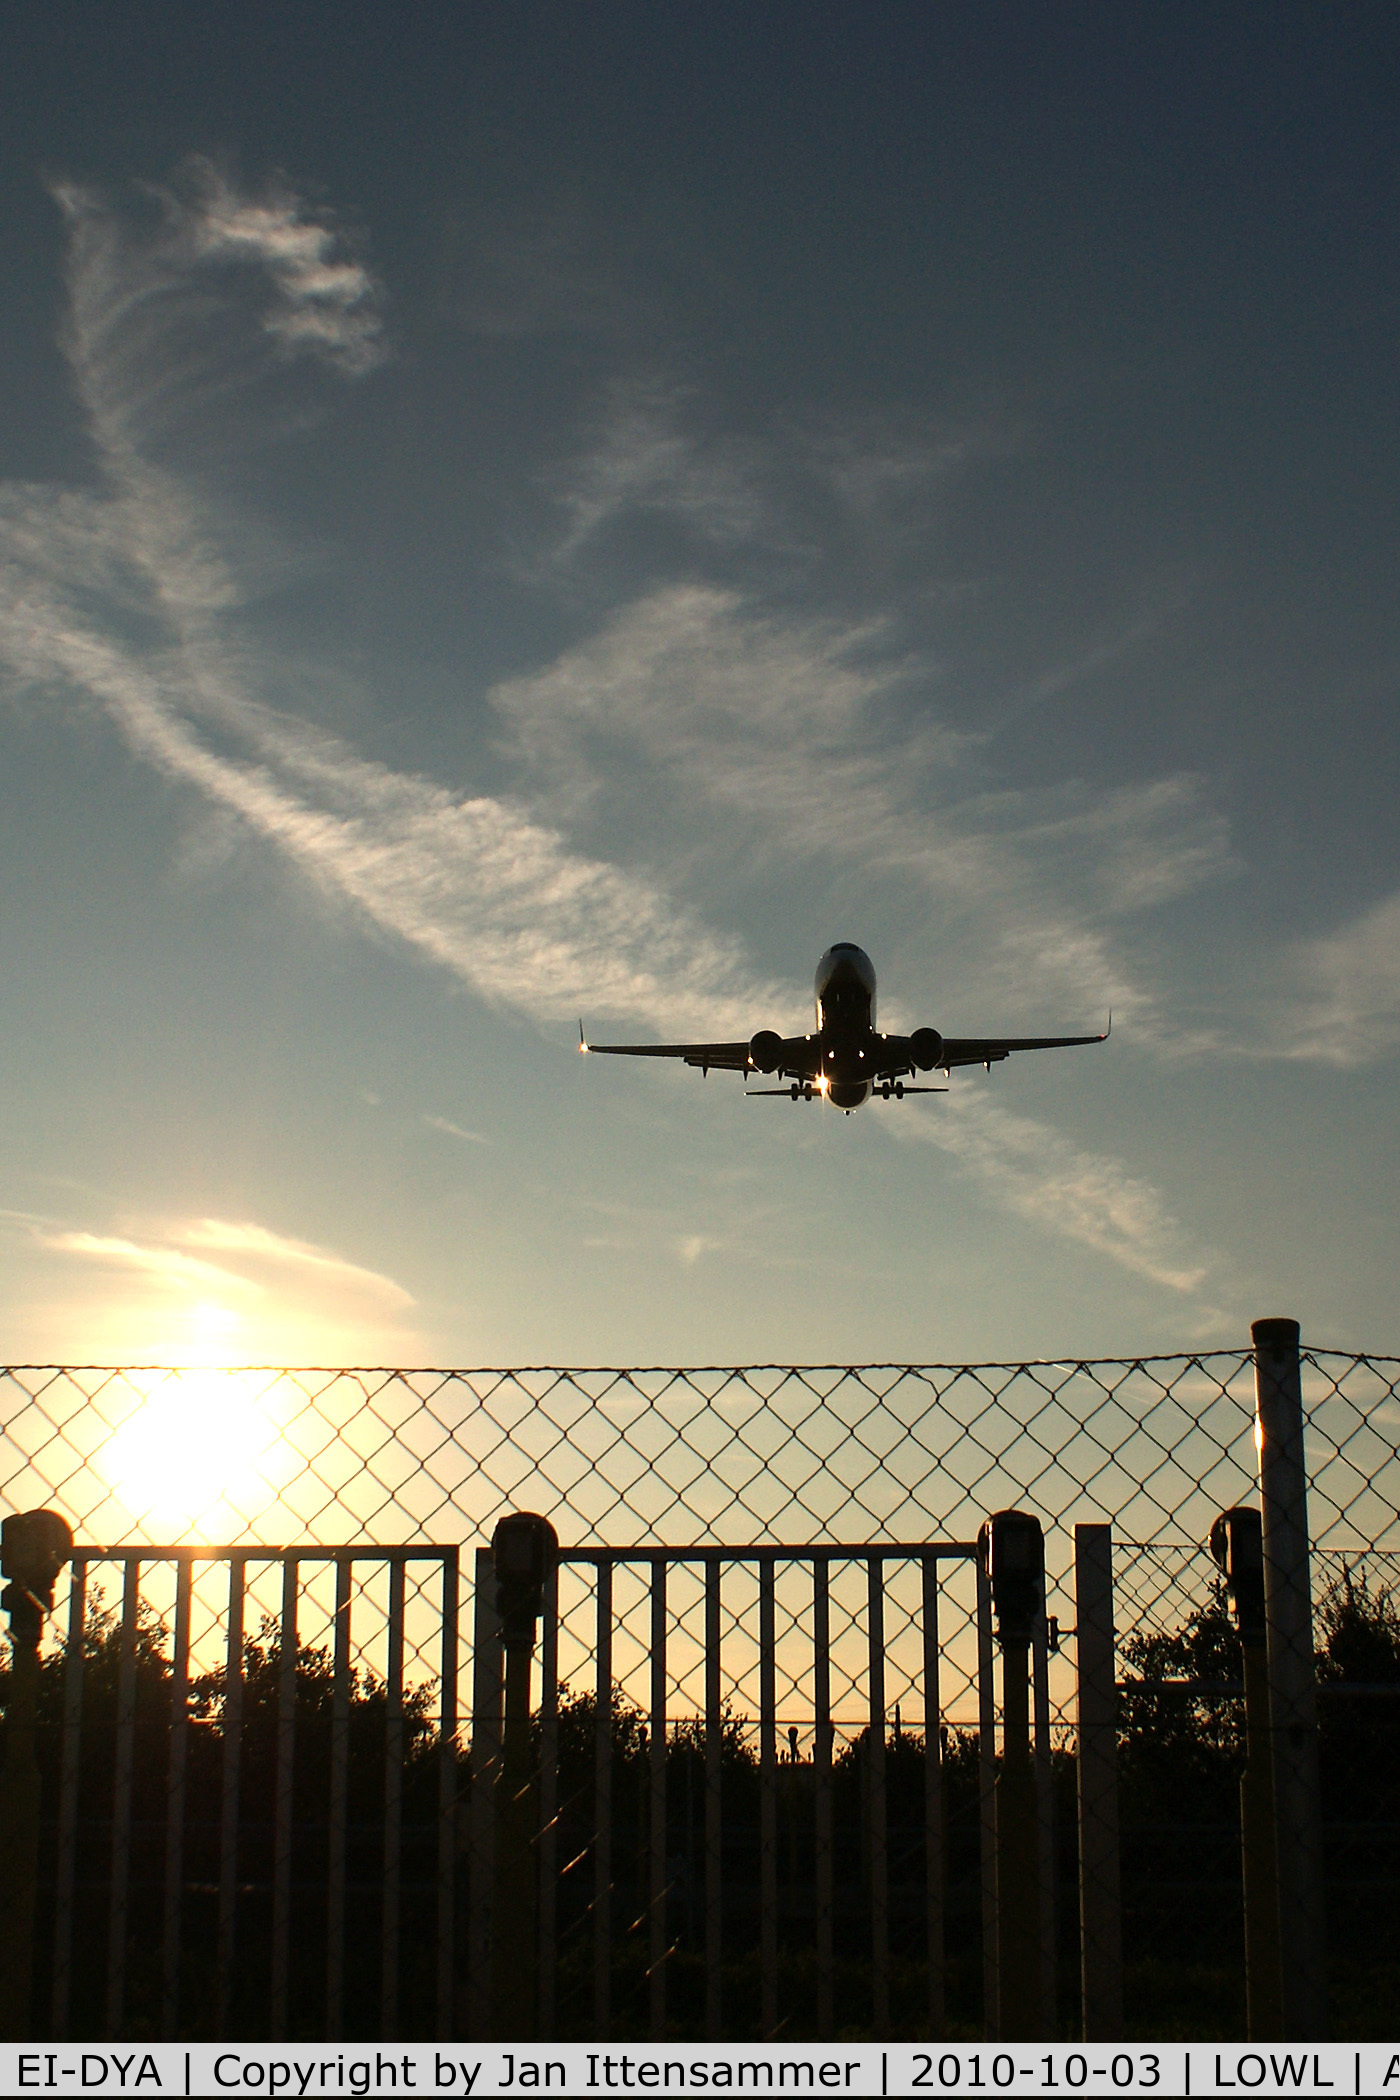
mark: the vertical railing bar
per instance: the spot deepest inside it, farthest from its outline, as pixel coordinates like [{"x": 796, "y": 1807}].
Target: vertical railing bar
[
  {"x": 393, "y": 1810},
  {"x": 65, "y": 1865},
  {"x": 175, "y": 1790},
  {"x": 125, "y": 1753},
  {"x": 821, "y": 1760},
  {"x": 934, "y": 1865},
  {"x": 228, "y": 1826},
  {"x": 656, "y": 1874},
  {"x": 282, "y": 1802},
  {"x": 1100, "y": 1891},
  {"x": 987, "y": 1778},
  {"x": 1288, "y": 1612},
  {"x": 714, "y": 1829},
  {"x": 549, "y": 1807},
  {"x": 1045, "y": 1817},
  {"x": 447, "y": 1797},
  {"x": 875, "y": 1767},
  {"x": 767, "y": 1800},
  {"x": 488, "y": 1699},
  {"x": 338, "y": 1803},
  {"x": 602, "y": 1810}
]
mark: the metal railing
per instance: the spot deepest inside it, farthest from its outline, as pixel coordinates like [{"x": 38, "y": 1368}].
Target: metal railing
[
  {"x": 747, "y": 1874},
  {"x": 245, "y": 1795}
]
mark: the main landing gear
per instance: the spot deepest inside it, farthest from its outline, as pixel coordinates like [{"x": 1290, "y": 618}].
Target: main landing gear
[{"x": 800, "y": 1093}]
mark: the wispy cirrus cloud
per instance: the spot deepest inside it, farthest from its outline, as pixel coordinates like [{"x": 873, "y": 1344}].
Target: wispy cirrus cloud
[
  {"x": 124, "y": 597},
  {"x": 205, "y": 1290},
  {"x": 170, "y": 1266},
  {"x": 1347, "y": 1011},
  {"x": 812, "y": 739},
  {"x": 255, "y": 1258},
  {"x": 643, "y": 458},
  {"x": 257, "y": 1245},
  {"x": 1039, "y": 1174},
  {"x": 175, "y": 305},
  {"x": 456, "y": 1130}
]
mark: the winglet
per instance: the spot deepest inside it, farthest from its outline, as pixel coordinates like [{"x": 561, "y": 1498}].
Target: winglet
[
  {"x": 582, "y": 1044},
  {"x": 1103, "y": 1038}
]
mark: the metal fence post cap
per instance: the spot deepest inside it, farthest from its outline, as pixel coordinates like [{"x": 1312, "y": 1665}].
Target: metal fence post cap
[
  {"x": 1237, "y": 1547},
  {"x": 34, "y": 1545},
  {"x": 523, "y": 1546},
  {"x": 1275, "y": 1334},
  {"x": 1011, "y": 1547}
]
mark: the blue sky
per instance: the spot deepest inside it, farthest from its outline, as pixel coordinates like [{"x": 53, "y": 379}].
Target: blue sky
[{"x": 512, "y": 512}]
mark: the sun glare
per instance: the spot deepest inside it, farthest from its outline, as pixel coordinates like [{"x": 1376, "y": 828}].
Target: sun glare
[{"x": 193, "y": 1461}]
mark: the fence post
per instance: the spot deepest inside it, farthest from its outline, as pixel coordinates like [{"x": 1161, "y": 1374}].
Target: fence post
[
  {"x": 523, "y": 1547},
  {"x": 1100, "y": 1899},
  {"x": 1012, "y": 1549},
  {"x": 35, "y": 1546},
  {"x": 1278, "y": 1391},
  {"x": 1044, "y": 1821},
  {"x": 488, "y": 1684},
  {"x": 1236, "y": 1541}
]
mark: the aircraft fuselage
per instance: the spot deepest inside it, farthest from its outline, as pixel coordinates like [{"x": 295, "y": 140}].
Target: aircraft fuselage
[{"x": 846, "y": 1039}]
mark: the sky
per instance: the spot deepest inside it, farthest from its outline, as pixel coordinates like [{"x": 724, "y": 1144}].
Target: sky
[{"x": 519, "y": 513}]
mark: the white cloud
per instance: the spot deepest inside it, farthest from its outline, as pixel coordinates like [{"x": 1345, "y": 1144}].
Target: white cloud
[
  {"x": 166, "y": 307},
  {"x": 1349, "y": 1009},
  {"x": 169, "y": 1266},
  {"x": 263, "y": 1248},
  {"x": 642, "y": 459},
  {"x": 693, "y": 1245},
  {"x": 812, "y": 741},
  {"x": 1041, "y": 1175},
  {"x": 468, "y": 1137},
  {"x": 150, "y": 1293},
  {"x": 268, "y": 1254}
]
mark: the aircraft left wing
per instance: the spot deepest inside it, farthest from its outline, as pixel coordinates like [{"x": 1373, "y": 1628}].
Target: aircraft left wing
[
  {"x": 707, "y": 1057},
  {"x": 990, "y": 1050}
]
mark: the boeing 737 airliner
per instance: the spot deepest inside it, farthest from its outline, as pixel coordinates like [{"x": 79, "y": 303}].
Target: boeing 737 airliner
[{"x": 847, "y": 1061}]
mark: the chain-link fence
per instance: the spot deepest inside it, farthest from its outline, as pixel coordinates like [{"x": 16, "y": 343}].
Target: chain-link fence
[
  {"x": 1155, "y": 1447},
  {"x": 798, "y": 1456}
]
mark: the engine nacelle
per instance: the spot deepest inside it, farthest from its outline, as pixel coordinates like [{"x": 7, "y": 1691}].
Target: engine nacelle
[
  {"x": 926, "y": 1047},
  {"x": 766, "y": 1050}
]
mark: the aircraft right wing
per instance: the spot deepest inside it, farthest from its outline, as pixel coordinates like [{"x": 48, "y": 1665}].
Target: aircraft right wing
[{"x": 990, "y": 1050}]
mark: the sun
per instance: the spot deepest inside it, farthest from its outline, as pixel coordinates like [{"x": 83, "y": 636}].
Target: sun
[{"x": 193, "y": 1461}]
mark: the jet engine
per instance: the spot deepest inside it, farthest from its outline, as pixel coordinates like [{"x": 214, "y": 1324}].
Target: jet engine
[
  {"x": 766, "y": 1050},
  {"x": 925, "y": 1047}
]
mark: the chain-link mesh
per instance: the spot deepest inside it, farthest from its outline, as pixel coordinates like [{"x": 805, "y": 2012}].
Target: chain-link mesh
[{"x": 1154, "y": 1446}]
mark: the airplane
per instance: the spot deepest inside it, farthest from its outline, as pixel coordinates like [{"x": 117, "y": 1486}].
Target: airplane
[{"x": 846, "y": 1062}]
